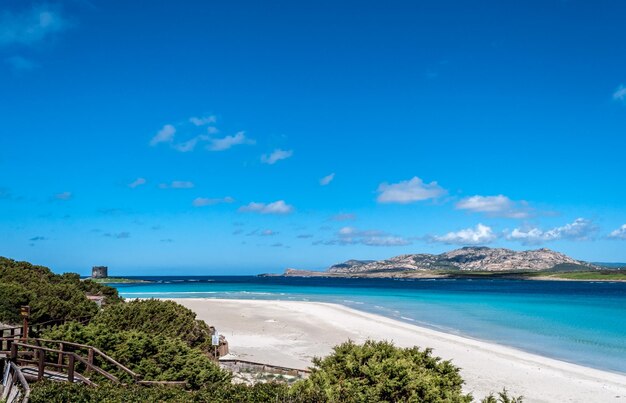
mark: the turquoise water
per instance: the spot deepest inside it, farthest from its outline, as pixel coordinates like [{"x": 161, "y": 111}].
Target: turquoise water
[{"x": 580, "y": 322}]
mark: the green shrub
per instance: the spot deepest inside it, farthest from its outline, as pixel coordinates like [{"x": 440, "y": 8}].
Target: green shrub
[
  {"x": 152, "y": 316},
  {"x": 153, "y": 356},
  {"x": 56, "y": 392},
  {"x": 50, "y": 296},
  {"x": 381, "y": 372}
]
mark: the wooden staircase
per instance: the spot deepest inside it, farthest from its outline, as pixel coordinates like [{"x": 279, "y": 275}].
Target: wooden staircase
[{"x": 24, "y": 361}]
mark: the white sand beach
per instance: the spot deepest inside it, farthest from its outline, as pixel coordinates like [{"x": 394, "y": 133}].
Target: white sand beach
[{"x": 290, "y": 333}]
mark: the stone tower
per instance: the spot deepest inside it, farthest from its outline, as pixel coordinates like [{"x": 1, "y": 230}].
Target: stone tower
[{"x": 99, "y": 272}]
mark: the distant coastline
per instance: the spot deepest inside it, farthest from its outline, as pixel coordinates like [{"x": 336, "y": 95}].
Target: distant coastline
[
  {"x": 117, "y": 280},
  {"x": 610, "y": 275},
  {"x": 474, "y": 262}
]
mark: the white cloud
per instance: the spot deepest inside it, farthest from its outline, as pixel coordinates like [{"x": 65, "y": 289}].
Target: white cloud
[
  {"x": 496, "y": 206},
  {"x": 620, "y": 94},
  {"x": 229, "y": 141},
  {"x": 277, "y": 207},
  {"x": 619, "y": 233},
  {"x": 352, "y": 236},
  {"x": 165, "y": 135},
  {"x": 177, "y": 185},
  {"x": 203, "y": 201},
  {"x": 580, "y": 229},
  {"x": 481, "y": 234},
  {"x": 276, "y": 156},
  {"x": 190, "y": 144},
  {"x": 409, "y": 191},
  {"x": 201, "y": 121},
  {"x": 30, "y": 26},
  {"x": 63, "y": 196},
  {"x": 327, "y": 179},
  {"x": 137, "y": 182}
]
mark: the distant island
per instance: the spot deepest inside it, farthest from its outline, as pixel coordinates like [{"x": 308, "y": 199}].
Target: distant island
[{"x": 479, "y": 261}]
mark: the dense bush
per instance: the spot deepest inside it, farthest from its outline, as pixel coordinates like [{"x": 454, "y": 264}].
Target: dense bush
[
  {"x": 375, "y": 372},
  {"x": 50, "y": 296},
  {"x": 153, "y": 316},
  {"x": 380, "y": 372},
  {"x": 154, "y": 356},
  {"x": 53, "y": 392},
  {"x": 56, "y": 392}
]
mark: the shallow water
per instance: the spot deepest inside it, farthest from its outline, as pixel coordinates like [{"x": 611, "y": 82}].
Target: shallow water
[{"x": 580, "y": 322}]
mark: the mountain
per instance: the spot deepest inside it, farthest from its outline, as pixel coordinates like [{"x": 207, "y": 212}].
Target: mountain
[{"x": 465, "y": 260}]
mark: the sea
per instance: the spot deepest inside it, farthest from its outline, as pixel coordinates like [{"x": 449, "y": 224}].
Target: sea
[{"x": 580, "y": 322}]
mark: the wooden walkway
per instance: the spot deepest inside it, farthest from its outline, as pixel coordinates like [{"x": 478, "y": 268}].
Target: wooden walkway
[{"x": 30, "y": 360}]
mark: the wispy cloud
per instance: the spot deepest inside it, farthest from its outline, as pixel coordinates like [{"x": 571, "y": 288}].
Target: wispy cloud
[
  {"x": 201, "y": 121},
  {"x": 352, "y": 236},
  {"x": 343, "y": 217},
  {"x": 304, "y": 236},
  {"x": 177, "y": 185},
  {"x": 5, "y": 194},
  {"x": 19, "y": 63},
  {"x": 619, "y": 233},
  {"x": 481, "y": 234},
  {"x": 190, "y": 144},
  {"x": 229, "y": 141},
  {"x": 265, "y": 232},
  {"x": 580, "y": 229},
  {"x": 277, "y": 207},
  {"x": 63, "y": 196},
  {"x": 112, "y": 211},
  {"x": 327, "y": 179},
  {"x": 495, "y": 206},
  {"x": 276, "y": 156},
  {"x": 30, "y": 26},
  {"x": 137, "y": 182},
  {"x": 165, "y": 135},
  {"x": 620, "y": 94},
  {"x": 409, "y": 191},
  {"x": 118, "y": 235},
  {"x": 203, "y": 201}
]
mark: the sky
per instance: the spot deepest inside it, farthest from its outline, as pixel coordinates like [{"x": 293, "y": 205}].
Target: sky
[{"x": 241, "y": 137}]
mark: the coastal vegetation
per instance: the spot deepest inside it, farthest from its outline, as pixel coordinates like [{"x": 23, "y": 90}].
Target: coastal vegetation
[
  {"x": 159, "y": 340},
  {"x": 381, "y": 372},
  {"x": 50, "y": 296},
  {"x": 374, "y": 372},
  {"x": 597, "y": 275}
]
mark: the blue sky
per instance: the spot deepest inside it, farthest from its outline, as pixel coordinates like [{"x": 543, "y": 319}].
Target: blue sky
[{"x": 241, "y": 137}]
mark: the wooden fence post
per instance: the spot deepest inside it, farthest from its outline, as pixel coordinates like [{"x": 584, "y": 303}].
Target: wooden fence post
[
  {"x": 89, "y": 359},
  {"x": 13, "y": 352},
  {"x": 42, "y": 362},
  {"x": 60, "y": 359},
  {"x": 70, "y": 368}
]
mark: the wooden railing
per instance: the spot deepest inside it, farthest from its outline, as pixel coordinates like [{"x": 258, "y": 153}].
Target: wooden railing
[
  {"x": 64, "y": 359},
  {"x": 15, "y": 387},
  {"x": 36, "y": 328}
]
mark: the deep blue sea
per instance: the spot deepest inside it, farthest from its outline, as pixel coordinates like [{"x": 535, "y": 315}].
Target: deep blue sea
[{"x": 580, "y": 322}]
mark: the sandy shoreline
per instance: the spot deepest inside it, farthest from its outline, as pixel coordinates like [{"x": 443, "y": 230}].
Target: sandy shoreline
[{"x": 290, "y": 333}]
